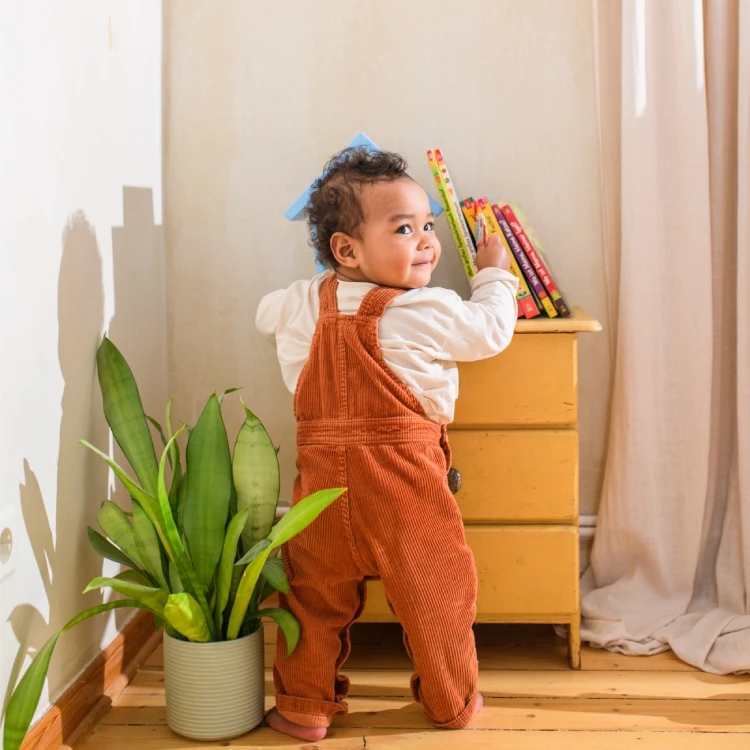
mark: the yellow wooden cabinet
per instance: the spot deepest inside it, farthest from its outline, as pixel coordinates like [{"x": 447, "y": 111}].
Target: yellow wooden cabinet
[{"x": 515, "y": 444}]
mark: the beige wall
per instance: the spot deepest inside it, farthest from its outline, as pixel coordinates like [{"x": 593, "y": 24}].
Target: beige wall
[
  {"x": 259, "y": 95},
  {"x": 82, "y": 251}
]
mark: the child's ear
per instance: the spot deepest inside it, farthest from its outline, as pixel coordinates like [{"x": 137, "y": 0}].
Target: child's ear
[{"x": 342, "y": 247}]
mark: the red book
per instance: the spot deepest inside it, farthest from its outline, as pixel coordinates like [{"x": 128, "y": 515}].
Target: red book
[{"x": 536, "y": 260}]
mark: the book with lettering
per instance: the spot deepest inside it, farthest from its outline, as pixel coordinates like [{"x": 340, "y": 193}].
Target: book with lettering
[
  {"x": 526, "y": 306},
  {"x": 522, "y": 229},
  {"x": 535, "y": 282},
  {"x": 453, "y": 212}
]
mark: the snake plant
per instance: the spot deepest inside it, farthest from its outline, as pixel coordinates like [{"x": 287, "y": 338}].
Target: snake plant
[{"x": 200, "y": 550}]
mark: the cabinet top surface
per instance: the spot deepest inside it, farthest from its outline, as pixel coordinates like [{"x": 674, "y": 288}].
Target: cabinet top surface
[{"x": 580, "y": 321}]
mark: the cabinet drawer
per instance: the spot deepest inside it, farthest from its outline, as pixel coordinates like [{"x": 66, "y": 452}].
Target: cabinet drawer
[
  {"x": 534, "y": 381},
  {"x": 522, "y": 570},
  {"x": 517, "y": 475}
]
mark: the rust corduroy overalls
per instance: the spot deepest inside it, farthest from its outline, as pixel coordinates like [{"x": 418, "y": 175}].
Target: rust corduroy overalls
[{"x": 360, "y": 427}]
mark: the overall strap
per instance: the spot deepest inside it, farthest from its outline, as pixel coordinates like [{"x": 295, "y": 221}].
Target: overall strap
[
  {"x": 328, "y": 302},
  {"x": 376, "y": 300}
]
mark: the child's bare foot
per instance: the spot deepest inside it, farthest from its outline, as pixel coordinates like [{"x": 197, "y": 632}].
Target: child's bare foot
[
  {"x": 310, "y": 734},
  {"x": 478, "y": 705}
]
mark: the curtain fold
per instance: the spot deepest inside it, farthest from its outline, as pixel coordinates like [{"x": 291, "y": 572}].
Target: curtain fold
[{"x": 670, "y": 567}]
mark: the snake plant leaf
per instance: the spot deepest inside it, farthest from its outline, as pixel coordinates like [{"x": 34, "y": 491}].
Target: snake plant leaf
[
  {"x": 108, "y": 550},
  {"x": 147, "y": 542},
  {"x": 265, "y": 591},
  {"x": 148, "y": 503},
  {"x": 273, "y": 571},
  {"x": 301, "y": 515},
  {"x": 174, "y": 460},
  {"x": 134, "y": 576},
  {"x": 226, "y": 566},
  {"x": 287, "y": 622},
  {"x": 209, "y": 480},
  {"x": 262, "y": 545},
  {"x": 117, "y": 527},
  {"x": 124, "y": 413},
  {"x": 226, "y": 393},
  {"x": 159, "y": 429},
  {"x": 147, "y": 597},
  {"x": 175, "y": 584},
  {"x": 179, "y": 515},
  {"x": 244, "y": 592},
  {"x": 179, "y": 554},
  {"x": 186, "y": 616},
  {"x": 255, "y": 469},
  {"x": 25, "y": 698}
]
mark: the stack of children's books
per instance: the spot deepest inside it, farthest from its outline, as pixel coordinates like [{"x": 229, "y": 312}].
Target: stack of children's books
[{"x": 471, "y": 220}]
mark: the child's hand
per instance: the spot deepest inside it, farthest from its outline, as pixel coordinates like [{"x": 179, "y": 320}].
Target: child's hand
[{"x": 493, "y": 254}]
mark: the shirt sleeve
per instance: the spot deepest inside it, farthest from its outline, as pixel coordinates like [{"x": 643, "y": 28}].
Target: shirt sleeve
[
  {"x": 484, "y": 326},
  {"x": 269, "y": 312}
]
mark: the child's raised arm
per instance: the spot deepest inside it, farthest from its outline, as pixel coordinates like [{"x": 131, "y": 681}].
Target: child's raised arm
[{"x": 484, "y": 326}]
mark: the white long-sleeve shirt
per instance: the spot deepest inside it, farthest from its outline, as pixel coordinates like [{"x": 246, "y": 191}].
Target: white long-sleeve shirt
[{"x": 423, "y": 332}]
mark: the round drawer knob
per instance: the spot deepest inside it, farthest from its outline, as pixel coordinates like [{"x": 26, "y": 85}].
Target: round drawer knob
[{"x": 454, "y": 480}]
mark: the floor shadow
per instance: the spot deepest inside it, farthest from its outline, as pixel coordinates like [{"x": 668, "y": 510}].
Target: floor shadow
[{"x": 65, "y": 558}]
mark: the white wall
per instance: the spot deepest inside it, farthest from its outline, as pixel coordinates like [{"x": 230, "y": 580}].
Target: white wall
[
  {"x": 80, "y": 137},
  {"x": 259, "y": 95}
]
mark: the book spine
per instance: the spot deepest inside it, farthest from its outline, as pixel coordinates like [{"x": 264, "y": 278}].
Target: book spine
[
  {"x": 467, "y": 206},
  {"x": 539, "y": 247},
  {"x": 450, "y": 188},
  {"x": 466, "y": 258},
  {"x": 524, "y": 262},
  {"x": 536, "y": 261},
  {"x": 526, "y": 304}
]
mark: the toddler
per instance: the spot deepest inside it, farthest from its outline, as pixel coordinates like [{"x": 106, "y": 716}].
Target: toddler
[{"x": 370, "y": 352}]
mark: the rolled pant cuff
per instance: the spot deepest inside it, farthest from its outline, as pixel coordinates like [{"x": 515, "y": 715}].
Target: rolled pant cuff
[
  {"x": 462, "y": 719},
  {"x": 308, "y": 712}
]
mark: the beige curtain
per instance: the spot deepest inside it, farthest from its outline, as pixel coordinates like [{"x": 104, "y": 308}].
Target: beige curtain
[{"x": 670, "y": 566}]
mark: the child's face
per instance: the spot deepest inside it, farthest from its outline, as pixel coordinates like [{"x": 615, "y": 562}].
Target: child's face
[{"x": 397, "y": 245}]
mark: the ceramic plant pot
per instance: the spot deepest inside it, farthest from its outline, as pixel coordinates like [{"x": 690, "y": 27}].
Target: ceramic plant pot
[{"x": 214, "y": 691}]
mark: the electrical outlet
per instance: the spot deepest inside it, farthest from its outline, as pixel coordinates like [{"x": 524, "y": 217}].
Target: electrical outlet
[{"x": 8, "y": 540}]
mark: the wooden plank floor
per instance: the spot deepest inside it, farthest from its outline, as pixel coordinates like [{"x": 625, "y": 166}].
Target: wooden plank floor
[{"x": 532, "y": 701}]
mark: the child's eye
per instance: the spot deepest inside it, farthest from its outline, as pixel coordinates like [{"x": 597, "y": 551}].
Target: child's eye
[
  {"x": 404, "y": 229},
  {"x": 429, "y": 226}
]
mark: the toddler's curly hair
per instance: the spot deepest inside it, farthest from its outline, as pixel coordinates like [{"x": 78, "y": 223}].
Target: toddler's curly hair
[{"x": 335, "y": 199}]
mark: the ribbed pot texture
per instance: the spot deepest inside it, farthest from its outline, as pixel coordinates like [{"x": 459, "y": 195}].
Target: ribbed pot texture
[{"x": 215, "y": 691}]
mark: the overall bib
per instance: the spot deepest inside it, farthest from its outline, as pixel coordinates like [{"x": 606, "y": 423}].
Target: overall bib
[{"x": 360, "y": 427}]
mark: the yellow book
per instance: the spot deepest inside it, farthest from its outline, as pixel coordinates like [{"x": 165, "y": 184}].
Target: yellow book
[{"x": 526, "y": 306}]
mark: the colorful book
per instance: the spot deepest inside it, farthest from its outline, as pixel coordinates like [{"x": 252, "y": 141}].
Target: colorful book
[
  {"x": 450, "y": 188},
  {"x": 535, "y": 282},
  {"x": 522, "y": 229},
  {"x": 525, "y": 298},
  {"x": 455, "y": 219},
  {"x": 526, "y": 306}
]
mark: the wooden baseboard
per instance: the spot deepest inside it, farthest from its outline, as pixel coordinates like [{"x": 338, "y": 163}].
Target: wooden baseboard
[{"x": 71, "y": 717}]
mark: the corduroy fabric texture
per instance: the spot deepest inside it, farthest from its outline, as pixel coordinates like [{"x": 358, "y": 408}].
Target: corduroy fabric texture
[{"x": 360, "y": 427}]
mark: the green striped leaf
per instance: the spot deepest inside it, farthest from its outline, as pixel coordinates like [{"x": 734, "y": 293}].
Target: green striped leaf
[
  {"x": 108, "y": 550},
  {"x": 209, "y": 480},
  {"x": 273, "y": 571},
  {"x": 124, "y": 413},
  {"x": 301, "y": 515},
  {"x": 183, "y": 563},
  {"x": 25, "y": 698},
  {"x": 288, "y": 624},
  {"x": 255, "y": 470},
  {"x": 186, "y": 616},
  {"x": 117, "y": 527},
  {"x": 146, "y": 596},
  {"x": 226, "y": 566},
  {"x": 147, "y": 542}
]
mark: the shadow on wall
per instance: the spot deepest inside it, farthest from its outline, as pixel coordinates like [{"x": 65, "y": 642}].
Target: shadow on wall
[{"x": 63, "y": 559}]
